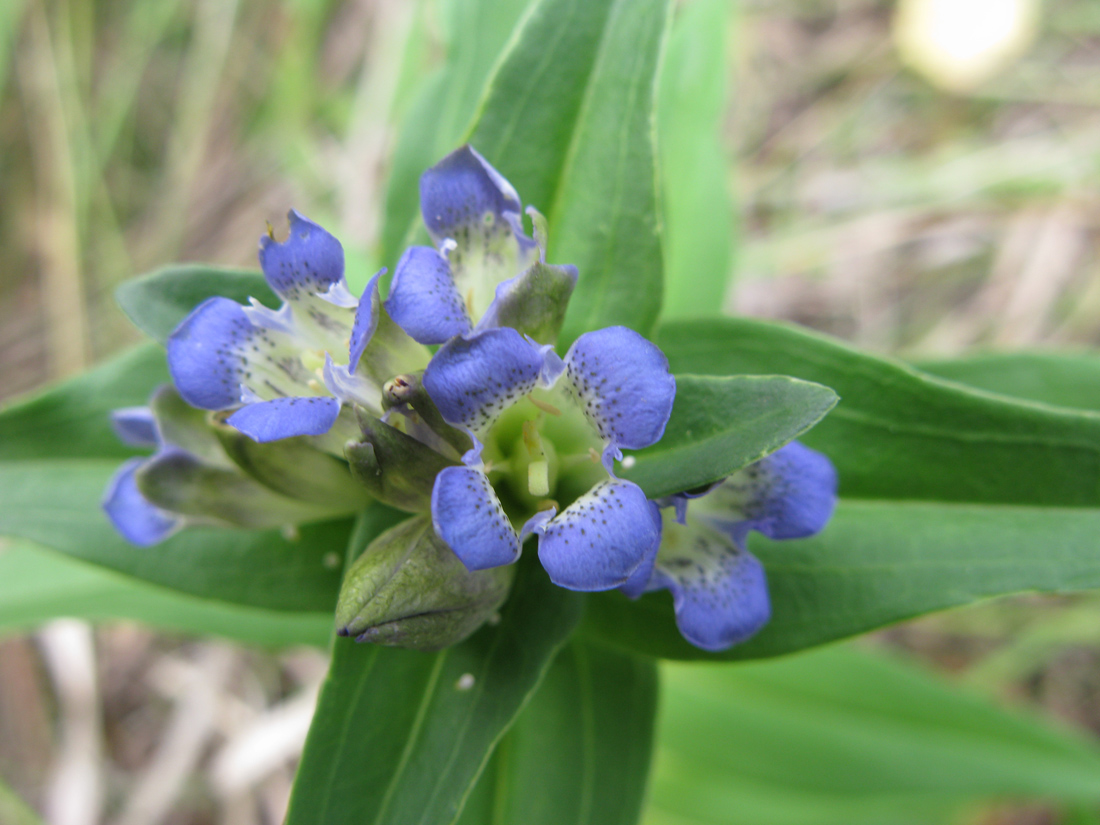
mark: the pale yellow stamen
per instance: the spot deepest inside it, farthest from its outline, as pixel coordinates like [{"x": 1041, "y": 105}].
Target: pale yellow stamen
[
  {"x": 594, "y": 455},
  {"x": 470, "y": 302},
  {"x": 549, "y": 409}
]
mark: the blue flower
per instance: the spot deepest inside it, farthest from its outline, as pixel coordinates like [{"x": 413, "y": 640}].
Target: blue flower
[
  {"x": 484, "y": 271},
  {"x": 719, "y": 590},
  {"x": 621, "y": 393},
  {"x": 190, "y": 479},
  {"x": 488, "y": 296},
  {"x": 288, "y": 372}
]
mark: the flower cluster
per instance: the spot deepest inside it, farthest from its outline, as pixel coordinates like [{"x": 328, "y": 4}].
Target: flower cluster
[{"x": 494, "y": 437}]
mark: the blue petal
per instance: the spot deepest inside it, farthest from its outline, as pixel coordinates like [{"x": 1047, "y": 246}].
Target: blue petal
[
  {"x": 467, "y": 516},
  {"x": 642, "y": 579},
  {"x": 474, "y": 215},
  {"x": 310, "y": 261},
  {"x": 366, "y": 321},
  {"x": 136, "y": 519},
  {"x": 424, "y": 300},
  {"x": 602, "y": 538},
  {"x": 622, "y": 383},
  {"x": 719, "y": 590},
  {"x": 205, "y": 354},
  {"x": 135, "y": 426},
  {"x": 473, "y": 380},
  {"x": 788, "y": 495},
  {"x": 286, "y": 417},
  {"x": 459, "y": 190}
]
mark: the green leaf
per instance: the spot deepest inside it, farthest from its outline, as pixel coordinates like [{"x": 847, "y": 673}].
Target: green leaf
[
  {"x": 579, "y": 752},
  {"x": 842, "y": 736},
  {"x": 948, "y": 495},
  {"x": 696, "y": 200},
  {"x": 400, "y": 736},
  {"x": 719, "y": 425},
  {"x": 56, "y": 503},
  {"x": 900, "y": 434},
  {"x": 72, "y": 419},
  {"x": 157, "y": 302},
  {"x": 1061, "y": 379},
  {"x": 880, "y": 562},
  {"x": 475, "y": 32},
  {"x": 568, "y": 119},
  {"x": 37, "y": 585}
]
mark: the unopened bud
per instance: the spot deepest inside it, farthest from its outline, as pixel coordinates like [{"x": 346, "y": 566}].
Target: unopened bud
[{"x": 408, "y": 589}]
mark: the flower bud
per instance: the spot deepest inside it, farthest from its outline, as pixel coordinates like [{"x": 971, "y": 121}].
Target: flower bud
[
  {"x": 409, "y": 590},
  {"x": 295, "y": 468}
]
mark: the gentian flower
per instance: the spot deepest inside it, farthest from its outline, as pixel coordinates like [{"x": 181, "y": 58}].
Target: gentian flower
[
  {"x": 191, "y": 478},
  {"x": 719, "y": 590},
  {"x": 290, "y": 372},
  {"x": 489, "y": 297}
]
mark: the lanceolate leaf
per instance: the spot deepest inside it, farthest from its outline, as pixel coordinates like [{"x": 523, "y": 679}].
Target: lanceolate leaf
[
  {"x": 843, "y": 736},
  {"x": 901, "y": 434},
  {"x": 475, "y": 33},
  {"x": 38, "y": 585},
  {"x": 72, "y": 419},
  {"x": 157, "y": 302},
  {"x": 56, "y": 503},
  {"x": 1062, "y": 379},
  {"x": 879, "y": 562},
  {"x": 719, "y": 425},
  {"x": 400, "y": 736},
  {"x": 695, "y": 186},
  {"x": 579, "y": 752},
  {"x": 568, "y": 118},
  {"x": 948, "y": 496}
]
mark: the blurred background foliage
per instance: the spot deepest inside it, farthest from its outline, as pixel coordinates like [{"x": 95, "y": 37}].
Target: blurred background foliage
[{"x": 904, "y": 195}]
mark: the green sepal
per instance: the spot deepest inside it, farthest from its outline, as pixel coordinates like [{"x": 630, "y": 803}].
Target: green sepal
[
  {"x": 182, "y": 483},
  {"x": 535, "y": 302},
  {"x": 295, "y": 468},
  {"x": 408, "y": 589},
  {"x": 394, "y": 467}
]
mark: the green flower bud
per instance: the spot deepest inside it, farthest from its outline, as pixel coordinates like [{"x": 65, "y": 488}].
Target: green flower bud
[
  {"x": 409, "y": 589},
  {"x": 295, "y": 468}
]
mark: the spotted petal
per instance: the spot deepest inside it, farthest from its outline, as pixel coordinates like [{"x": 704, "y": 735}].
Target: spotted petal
[
  {"x": 622, "y": 383},
  {"x": 307, "y": 271},
  {"x": 465, "y": 200},
  {"x": 473, "y": 380},
  {"x": 424, "y": 300},
  {"x": 309, "y": 262},
  {"x": 719, "y": 590},
  {"x": 135, "y": 426},
  {"x": 602, "y": 538},
  {"x": 138, "y": 521},
  {"x": 468, "y": 516},
  {"x": 788, "y": 495}
]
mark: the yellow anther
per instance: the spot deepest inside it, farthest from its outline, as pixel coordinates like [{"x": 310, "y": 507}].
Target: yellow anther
[
  {"x": 549, "y": 409},
  {"x": 470, "y": 302},
  {"x": 594, "y": 454},
  {"x": 270, "y": 230}
]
